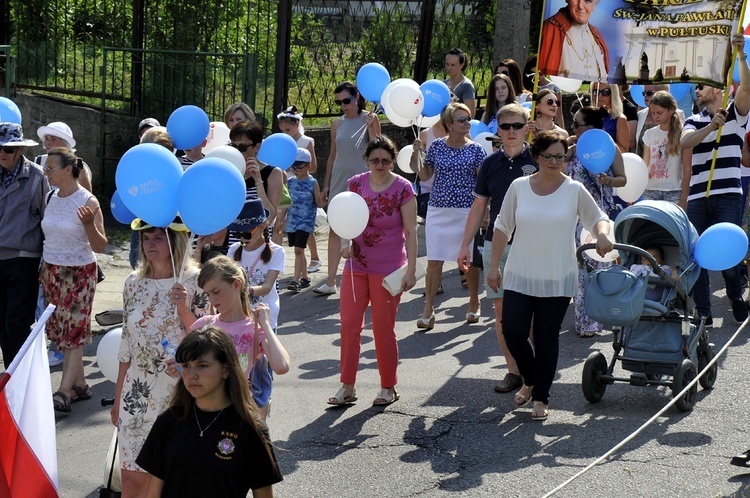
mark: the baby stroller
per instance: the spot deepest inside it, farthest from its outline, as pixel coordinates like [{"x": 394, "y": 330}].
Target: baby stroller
[{"x": 660, "y": 342}]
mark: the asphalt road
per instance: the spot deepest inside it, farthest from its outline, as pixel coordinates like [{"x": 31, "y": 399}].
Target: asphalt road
[{"x": 451, "y": 434}]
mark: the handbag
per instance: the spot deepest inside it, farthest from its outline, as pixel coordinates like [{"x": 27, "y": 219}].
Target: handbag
[
  {"x": 422, "y": 200},
  {"x": 392, "y": 282},
  {"x": 286, "y": 199},
  {"x": 614, "y": 296},
  {"x": 112, "y": 479}
]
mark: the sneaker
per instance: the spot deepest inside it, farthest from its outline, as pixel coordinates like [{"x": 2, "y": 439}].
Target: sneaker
[
  {"x": 325, "y": 290},
  {"x": 55, "y": 358},
  {"x": 739, "y": 310},
  {"x": 708, "y": 322},
  {"x": 304, "y": 283},
  {"x": 315, "y": 265},
  {"x": 509, "y": 383},
  {"x": 741, "y": 460}
]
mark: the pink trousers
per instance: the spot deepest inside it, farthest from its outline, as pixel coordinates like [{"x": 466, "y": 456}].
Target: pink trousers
[{"x": 368, "y": 289}]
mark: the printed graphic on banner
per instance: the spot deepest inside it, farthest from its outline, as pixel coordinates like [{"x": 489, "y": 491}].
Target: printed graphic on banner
[{"x": 659, "y": 41}]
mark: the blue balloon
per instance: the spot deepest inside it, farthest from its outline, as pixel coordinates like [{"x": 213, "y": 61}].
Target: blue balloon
[
  {"x": 478, "y": 127},
  {"x": 147, "y": 177},
  {"x": 721, "y": 247},
  {"x": 119, "y": 210},
  {"x": 636, "y": 93},
  {"x": 9, "y": 111},
  {"x": 279, "y": 150},
  {"x": 188, "y": 127},
  {"x": 596, "y": 150},
  {"x": 737, "y": 62},
  {"x": 210, "y": 195},
  {"x": 527, "y": 105},
  {"x": 437, "y": 95},
  {"x": 679, "y": 90},
  {"x": 372, "y": 78}
]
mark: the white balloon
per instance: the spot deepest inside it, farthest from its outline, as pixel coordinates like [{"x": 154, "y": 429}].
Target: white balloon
[
  {"x": 385, "y": 101},
  {"x": 403, "y": 159},
  {"x": 426, "y": 122},
  {"x": 218, "y": 135},
  {"x": 569, "y": 85},
  {"x": 106, "y": 354},
  {"x": 481, "y": 139},
  {"x": 587, "y": 238},
  {"x": 230, "y": 154},
  {"x": 636, "y": 172},
  {"x": 348, "y": 215},
  {"x": 406, "y": 101}
]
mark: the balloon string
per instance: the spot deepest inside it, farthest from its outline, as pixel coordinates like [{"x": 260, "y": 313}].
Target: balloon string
[
  {"x": 187, "y": 255},
  {"x": 351, "y": 273},
  {"x": 171, "y": 258}
]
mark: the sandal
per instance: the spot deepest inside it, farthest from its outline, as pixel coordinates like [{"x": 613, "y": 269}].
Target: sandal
[
  {"x": 523, "y": 397},
  {"x": 473, "y": 316},
  {"x": 386, "y": 396},
  {"x": 426, "y": 323},
  {"x": 62, "y": 404},
  {"x": 83, "y": 393},
  {"x": 584, "y": 334},
  {"x": 539, "y": 411},
  {"x": 464, "y": 282},
  {"x": 341, "y": 399}
]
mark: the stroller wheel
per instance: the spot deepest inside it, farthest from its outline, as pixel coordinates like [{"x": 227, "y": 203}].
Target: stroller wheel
[
  {"x": 592, "y": 384},
  {"x": 704, "y": 358},
  {"x": 683, "y": 375}
]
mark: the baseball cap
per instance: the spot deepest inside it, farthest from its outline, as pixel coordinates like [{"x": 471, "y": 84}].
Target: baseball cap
[{"x": 150, "y": 122}]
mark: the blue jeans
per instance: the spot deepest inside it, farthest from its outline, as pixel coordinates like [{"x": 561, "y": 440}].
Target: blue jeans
[{"x": 703, "y": 213}]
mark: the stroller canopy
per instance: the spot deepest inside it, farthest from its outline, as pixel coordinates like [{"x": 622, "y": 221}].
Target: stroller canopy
[{"x": 659, "y": 223}]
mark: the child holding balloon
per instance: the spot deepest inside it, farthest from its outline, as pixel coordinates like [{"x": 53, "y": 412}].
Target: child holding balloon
[
  {"x": 258, "y": 347},
  {"x": 300, "y": 217}
]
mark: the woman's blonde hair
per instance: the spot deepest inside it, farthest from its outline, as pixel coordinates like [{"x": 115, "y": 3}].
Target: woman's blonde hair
[
  {"x": 665, "y": 100},
  {"x": 615, "y": 100},
  {"x": 446, "y": 116},
  {"x": 178, "y": 241},
  {"x": 226, "y": 270},
  {"x": 243, "y": 108}
]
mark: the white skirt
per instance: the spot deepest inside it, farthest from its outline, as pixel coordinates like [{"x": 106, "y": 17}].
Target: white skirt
[{"x": 444, "y": 232}]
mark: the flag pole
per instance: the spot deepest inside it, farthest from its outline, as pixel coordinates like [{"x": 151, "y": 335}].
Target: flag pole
[{"x": 26, "y": 345}]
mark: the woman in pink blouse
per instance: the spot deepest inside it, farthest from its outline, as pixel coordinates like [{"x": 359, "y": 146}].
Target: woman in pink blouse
[{"x": 388, "y": 242}]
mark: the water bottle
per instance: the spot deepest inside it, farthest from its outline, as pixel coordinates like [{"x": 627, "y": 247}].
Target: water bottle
[{"x": 170, "y": 349}]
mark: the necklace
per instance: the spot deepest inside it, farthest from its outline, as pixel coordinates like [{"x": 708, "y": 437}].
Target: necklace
[{"x": 202, "y": 430}]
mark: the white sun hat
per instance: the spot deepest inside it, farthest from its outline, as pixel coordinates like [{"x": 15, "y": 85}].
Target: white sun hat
[{"x": 57, "y": 129}]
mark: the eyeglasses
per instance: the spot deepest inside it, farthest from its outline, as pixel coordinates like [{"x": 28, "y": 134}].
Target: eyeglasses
[
  {"x": 464, "y": 119},
  {"x": 345, "y": 101},
  {"x": 249, "y": 235},
  {"x": 508, "y": 126},
  {"x": 648, "y": 93},
  {"x": 552, "y": 157},
  {"x": 50, "y": 170},
  {"x": 577, "y": 125},
  {"x": 604, "y": 92},
  {"x": 384, "y": 162},
  {"x": 552, "y": 102},
  {"x": 9, "y": 150},
  {"x": 299, "y": 166},
  {"x": 242, "y": 147}
]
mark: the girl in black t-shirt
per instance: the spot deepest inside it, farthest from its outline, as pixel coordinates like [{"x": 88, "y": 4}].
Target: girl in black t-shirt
[{"x": 210, "y": 442}]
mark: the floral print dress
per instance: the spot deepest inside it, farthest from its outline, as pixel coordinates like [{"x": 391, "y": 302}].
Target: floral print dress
[
  {"x": 149, "y": 317},
  {"x": 602, "y": 194}
]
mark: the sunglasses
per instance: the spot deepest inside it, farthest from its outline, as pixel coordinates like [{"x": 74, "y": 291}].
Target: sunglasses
[
  {"x": 241, "y": 147},
  {"x": 699, "y": 86},
  {"x": 9, "y": 150},
  {"x": 577, "y": 125},
  {"x": 345, "y": 101},
  {"x": 552, "y": 102},
  {"x": 384, "y": 162},
  {"x": 648, "y": 93},
  {"x": 508, "y": 126},
  {"x": 552, "y": 157},
  {"x": 249, "y": 235},
  {"x": 465, "y": 119},
  {"x": 604, "y": 92},
  {"x": 50, "y": 170}
]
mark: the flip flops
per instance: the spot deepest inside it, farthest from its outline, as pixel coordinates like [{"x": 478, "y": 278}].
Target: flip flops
[{"x": 521, "y": 398}]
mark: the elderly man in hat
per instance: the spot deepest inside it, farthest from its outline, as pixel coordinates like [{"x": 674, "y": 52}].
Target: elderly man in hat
[{"x": 23, "y": 190}]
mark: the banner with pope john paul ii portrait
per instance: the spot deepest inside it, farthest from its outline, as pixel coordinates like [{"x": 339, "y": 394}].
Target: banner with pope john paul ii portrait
[{"x": 659, "y": 41}]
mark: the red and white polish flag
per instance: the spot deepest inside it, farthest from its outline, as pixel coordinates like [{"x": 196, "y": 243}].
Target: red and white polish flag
[{"x": 28, "y": 448}]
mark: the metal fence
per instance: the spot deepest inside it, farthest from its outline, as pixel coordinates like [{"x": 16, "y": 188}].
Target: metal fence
[{"x": 124, "y": 54}]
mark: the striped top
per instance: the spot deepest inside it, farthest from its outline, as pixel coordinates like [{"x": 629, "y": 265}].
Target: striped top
[{"x": 726, "y": 177}]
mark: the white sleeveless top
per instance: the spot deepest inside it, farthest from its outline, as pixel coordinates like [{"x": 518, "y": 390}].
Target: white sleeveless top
[
  {"x": 65, "y": 240},
  {"x": 303, "y": 140}
]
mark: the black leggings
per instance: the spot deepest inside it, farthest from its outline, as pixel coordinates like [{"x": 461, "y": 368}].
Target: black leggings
[{"x": 537, "y": 365}]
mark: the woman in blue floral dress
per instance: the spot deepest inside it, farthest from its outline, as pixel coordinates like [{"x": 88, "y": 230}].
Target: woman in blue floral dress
[{"x": 601, "y": 188}]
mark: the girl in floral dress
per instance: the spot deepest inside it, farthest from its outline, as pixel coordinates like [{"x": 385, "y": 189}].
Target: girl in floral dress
[{"x": 155, "y": 308}]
